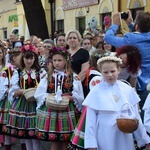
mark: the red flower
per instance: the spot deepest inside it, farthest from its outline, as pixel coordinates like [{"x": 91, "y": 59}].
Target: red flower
[
  {"x": 66, "y": 137},
  {"x": 20, "y": 133},
  {"x": 93, "y": 83},
  {"x": 51, "y": 86},
  {"x": 26, "y": 47},
  {"x": 39, "y": 135},
  {"x": 66, "y": 85},
  {"x": 29, "y": 48},
  {"x": 52, "y": 136},
  {"x": 97, "y": 81}
]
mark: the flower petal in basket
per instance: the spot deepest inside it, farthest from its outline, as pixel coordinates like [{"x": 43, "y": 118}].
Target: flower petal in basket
[
  {"x": 29, "y": 94},
  {"x": 52, "y": 103}
]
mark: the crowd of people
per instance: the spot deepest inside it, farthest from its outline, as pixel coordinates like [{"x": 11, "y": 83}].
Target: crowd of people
[{"x": 97, "y": 74}]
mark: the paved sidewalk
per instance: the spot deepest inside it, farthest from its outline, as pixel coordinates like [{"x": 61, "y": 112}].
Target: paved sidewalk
[{"x": 17, "y": 146}]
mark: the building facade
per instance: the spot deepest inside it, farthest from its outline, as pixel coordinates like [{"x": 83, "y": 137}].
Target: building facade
[
  {"x": 67, "y": 14},
  {"x": 8, "y": 18},
  {"x": 12, "y": 18}
]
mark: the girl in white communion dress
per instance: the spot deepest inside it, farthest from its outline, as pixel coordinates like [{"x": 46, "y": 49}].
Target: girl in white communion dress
[{"x": 108, "y": 97}]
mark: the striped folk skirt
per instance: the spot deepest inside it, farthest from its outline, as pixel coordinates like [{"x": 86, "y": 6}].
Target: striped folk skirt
[
  {"x": 55, "y": 125},
  {"x": 22, "y": 117},
  {"x": 77, "y": 138},
  {"x": 4, "y": 113}
]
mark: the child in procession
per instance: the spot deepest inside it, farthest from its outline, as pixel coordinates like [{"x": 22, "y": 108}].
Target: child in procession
[
  {"x": 108, "y": 99},
  {"x": 52, "y": 124}
]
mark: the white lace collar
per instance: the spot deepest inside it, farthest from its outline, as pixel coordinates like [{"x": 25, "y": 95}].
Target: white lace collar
[{"x": 59, "y": 72}]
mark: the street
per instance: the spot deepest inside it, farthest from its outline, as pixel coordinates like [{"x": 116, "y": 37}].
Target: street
[{"x": 17, "y": 146}]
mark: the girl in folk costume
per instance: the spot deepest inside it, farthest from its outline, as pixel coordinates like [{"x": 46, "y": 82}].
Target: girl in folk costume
[
  {"x": 5, "y": 75},
  {"x": 101, "y": 130},
  {"x": 92, "y": 73},
  {"x": 14, "y": 57},
  {"x": 93, "y": 77},
  {"x": 22, "y": 114},
  {"x": 4, "y": 85},
  {"x": 58, "y": 125}
]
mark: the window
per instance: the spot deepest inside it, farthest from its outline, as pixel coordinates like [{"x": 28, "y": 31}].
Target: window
[
  {"x": 81, "y": 25},
  {"x": 102, "y": 19},
  {"x": 60, "y": 25},
  {"x": 135, "y": 11},
  {"x": 5, "y": 33}
]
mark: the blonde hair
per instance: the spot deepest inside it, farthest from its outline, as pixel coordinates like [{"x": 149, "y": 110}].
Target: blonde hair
[{"x": 76, "y": 32}]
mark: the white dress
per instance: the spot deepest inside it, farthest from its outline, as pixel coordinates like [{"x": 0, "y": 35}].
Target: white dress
[
  {"x": 3, "y": 83},
  {"x": 146, "y": 109},
  {"x": 101, "y": 130}
]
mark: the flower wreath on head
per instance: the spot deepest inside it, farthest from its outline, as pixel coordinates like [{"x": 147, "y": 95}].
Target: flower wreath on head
[
  {"x": 106, "y": 53},
  {"x": 57, "y": 50},
  {"x": 109, "y": 58},
  {"x": 30, "y": 48}
]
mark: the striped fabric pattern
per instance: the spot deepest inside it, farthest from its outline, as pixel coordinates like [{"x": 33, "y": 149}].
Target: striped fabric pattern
[
  {"x": 58, "y": 122},
  {"x": 22, "y": 118},
  {"x": 4, "y": 110}
]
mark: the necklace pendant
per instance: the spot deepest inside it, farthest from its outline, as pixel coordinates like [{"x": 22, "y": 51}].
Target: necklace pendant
[{"x": 116, "y": 99}]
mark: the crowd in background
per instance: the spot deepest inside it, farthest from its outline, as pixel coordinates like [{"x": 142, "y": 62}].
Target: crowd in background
[{"x": 70, "y": 62}]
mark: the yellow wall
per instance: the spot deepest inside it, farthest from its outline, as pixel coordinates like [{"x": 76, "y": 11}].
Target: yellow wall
[
  {"x": 130, "y": 4},
  {"x": 4, "y": 22},
  {"x": 22, "y": 20},
  {"x": 11, "y": 8},
  {"x": 7, "y": 8},
  {"x": 69, "y": 16}
]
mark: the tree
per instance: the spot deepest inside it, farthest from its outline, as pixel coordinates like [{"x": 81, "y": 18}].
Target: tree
[{"x": 35, "y": 17}]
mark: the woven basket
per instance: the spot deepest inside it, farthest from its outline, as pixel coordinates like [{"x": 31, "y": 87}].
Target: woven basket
[
  {"x": 29, "y": 94},
  {"x": 127, "y": 125},
  {"x": 51, "y": 102}
]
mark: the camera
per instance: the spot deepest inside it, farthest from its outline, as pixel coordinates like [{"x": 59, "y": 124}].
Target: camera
[{"x": 124, "y": 15}]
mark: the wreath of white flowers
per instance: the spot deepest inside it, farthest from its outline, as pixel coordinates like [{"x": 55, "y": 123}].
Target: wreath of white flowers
[{"x": 109, "y": 58}]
